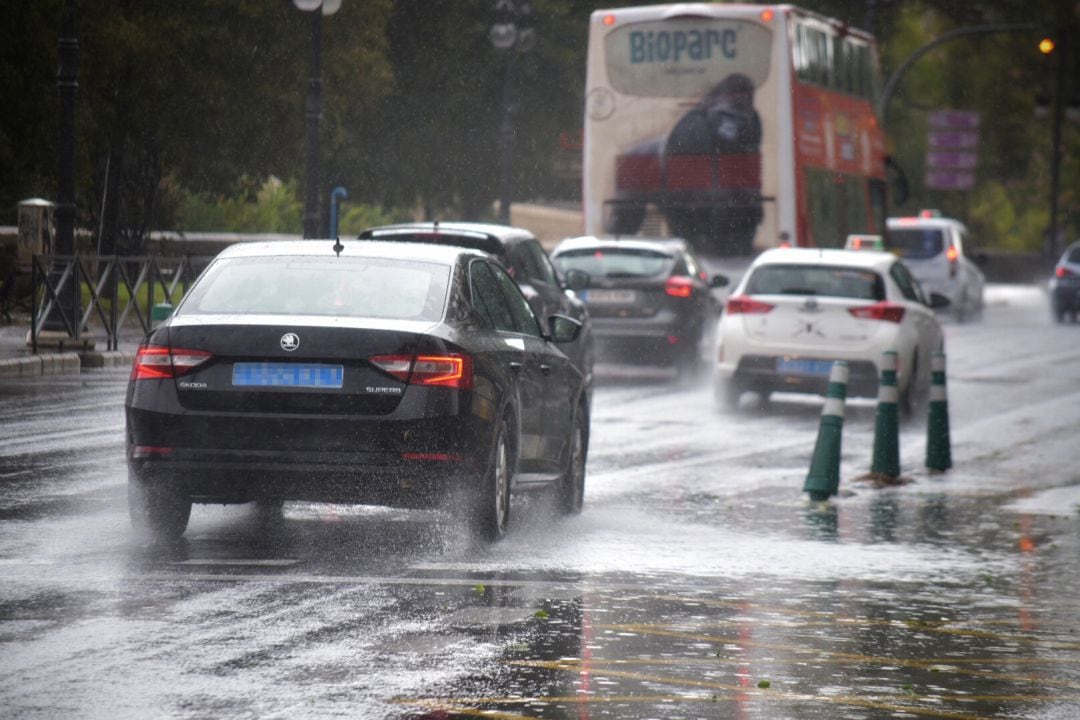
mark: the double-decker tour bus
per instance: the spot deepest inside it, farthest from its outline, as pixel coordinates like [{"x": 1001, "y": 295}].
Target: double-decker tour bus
[{"x": 735, "y": 126}]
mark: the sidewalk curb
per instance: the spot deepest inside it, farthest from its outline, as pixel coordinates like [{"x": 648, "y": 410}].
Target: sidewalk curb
[
  {"x": 106, "y": 359},
  {"x": 67, "y": 363}
]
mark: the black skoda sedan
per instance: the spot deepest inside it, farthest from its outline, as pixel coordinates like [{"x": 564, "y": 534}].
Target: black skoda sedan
[{"x": 379, "y": 373}]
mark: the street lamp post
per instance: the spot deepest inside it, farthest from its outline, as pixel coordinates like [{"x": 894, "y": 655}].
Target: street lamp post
[
  {"x": 62, "y": 323},
  {"x": 313, "y": 111},
  {"x": 512, "y": 31}
]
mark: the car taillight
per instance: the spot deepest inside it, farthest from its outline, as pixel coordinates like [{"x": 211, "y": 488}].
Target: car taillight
[
  {"x": 741, "y": 304},
  {"x": 679, "y": 286},
  {"x": 452, "y": 370},
  {"x": 887, "y": 311},
  {"x": 1063, "y": 272},
  {"x": 160, "y": 361},
  {"x": 952, "y": 255}
]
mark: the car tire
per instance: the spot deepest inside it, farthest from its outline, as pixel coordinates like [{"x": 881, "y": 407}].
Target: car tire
[
  {"x": 961, "y": 312},
  {"x": 688, "y": 361},
  {"x": 571, "y": 491},
  {"x": 269, "y": 510},
  {"x": 728, "y": 393},
  {"x": 159, "y": 511},
  {"x": 491, "y": 509}
]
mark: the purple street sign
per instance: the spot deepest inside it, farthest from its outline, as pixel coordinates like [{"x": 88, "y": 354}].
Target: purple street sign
[
  {"x": 953, "y": 140},
  {"x": 952, "y": 160},
  {"x": 954, "y": 119},
  {"x": 947, "y": 180}
]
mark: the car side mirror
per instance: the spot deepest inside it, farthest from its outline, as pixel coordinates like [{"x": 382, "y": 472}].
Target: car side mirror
[
  {"x": 719, "y": 281},
  {"x": 577, "y": 279},
  {"x": 563, "y": 329},
  {"x": 938, "y": 301}
]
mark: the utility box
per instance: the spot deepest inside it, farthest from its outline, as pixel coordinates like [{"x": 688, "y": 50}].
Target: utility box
[{"x": 35, "y": 230}]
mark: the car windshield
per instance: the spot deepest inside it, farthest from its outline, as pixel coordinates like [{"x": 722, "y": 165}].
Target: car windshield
[
  {"x": 818, "y": 280},
  {"x": 915, "y": 243},
  {"x": 351, "y": 287},
  {"x": 615, "y": 262}
]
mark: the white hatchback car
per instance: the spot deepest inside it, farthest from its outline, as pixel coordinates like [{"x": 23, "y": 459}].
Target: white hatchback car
[
  {"x": 796, "y": 310},
  {"x": 938, "y": 252}
]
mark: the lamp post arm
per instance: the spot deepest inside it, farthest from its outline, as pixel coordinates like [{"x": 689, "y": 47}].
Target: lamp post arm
[{"x": 894, "y": 80}]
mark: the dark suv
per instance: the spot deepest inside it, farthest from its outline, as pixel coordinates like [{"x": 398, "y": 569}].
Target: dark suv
[
  {"x": 524, "y": 258},
  {"x": 651, "y": 299}
]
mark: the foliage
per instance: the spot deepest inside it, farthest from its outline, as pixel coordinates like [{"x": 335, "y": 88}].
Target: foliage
[
  {"x": 273, "y": 207},
  {"x": 1000, "y": 76}
]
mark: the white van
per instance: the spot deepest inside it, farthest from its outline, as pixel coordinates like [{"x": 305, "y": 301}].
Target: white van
[{"x": 936, "y": 250}]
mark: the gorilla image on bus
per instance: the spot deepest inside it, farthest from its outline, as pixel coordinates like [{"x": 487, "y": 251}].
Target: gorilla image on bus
[{"x": 704, "y": 175}]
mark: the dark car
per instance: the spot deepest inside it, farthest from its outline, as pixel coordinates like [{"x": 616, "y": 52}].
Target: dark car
[
  {"x": 380, "y": 373},
  {"x": 523, "y": 257},
  {"x": 650, "y": 300},
  {"x": 1065, "y": 285}
]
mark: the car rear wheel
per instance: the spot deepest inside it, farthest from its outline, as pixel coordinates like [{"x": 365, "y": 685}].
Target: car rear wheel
[
  {"x": 159, "y": 511},
  {"x": 1059, "y": 313},
  {"x": 572, "y": 485},
  {"x": 491, "y": 512},
  {"x": 728, "y": 393},
  {"x": 269, "y": 510}
]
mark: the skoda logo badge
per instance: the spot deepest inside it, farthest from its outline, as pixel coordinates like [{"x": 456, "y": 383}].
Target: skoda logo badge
[{"x": 290, "y": 341}]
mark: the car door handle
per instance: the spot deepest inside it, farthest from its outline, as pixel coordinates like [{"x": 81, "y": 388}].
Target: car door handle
[
  {"x": 516, "y": 367},
  {"x": 546, "y": 369}
]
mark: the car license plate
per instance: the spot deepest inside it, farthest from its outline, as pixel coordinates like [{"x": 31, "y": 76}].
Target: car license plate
[
  {"x": 309, "y": 375},
  {"x": 803, "y": 367},
  {"x": 611, "y": 297}
]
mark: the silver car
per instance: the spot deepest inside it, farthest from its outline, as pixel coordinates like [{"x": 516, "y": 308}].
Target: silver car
[{"x": 937, "y": 251}]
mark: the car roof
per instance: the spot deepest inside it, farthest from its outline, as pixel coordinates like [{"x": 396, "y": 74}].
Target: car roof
[
  {"x": 489, "y": 237},
  {"x": 862, "y": 259},
  {"x": 669, "y": 246},
  {"x": 324, "y": 248},
  {"x": 926, "y": 222}
]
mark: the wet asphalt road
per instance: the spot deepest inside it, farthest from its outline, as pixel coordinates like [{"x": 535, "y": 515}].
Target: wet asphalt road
[{"x": 698, "y": 583}]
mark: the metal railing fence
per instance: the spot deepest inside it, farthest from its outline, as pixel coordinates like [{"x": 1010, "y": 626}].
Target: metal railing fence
[{"x": 117, "y": 287}]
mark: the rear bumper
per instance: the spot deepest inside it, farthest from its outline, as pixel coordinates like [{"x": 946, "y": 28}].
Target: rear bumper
[
  {"x": 218, "y": 457},
  {"x": 369, "y": 478},
  {"x": 665, "y": 330},
  {"x": 758, "y": 372}
]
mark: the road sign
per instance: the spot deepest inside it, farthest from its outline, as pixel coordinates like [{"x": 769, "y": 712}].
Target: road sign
[
  {"x": 949, "y": 179},
  {"x": 954, "y": 119},
  {"x": 946, "y": 159},
  {"x": 953, "y": 139},
  {"x": 953, "y": 143}
]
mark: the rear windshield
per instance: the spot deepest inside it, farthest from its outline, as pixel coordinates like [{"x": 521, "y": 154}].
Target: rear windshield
[
  {"x": 816, "y": 280},
  {"x": 915, "y": 243},
  {"x": 615, "y": 262},
  {"x": 350, "y": 287}
]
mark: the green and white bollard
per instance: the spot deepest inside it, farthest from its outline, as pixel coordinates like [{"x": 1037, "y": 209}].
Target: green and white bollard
[
  {"x": 938, "y": 444},
  {"x": 823, "y": 480},
  {"x": 886, "y": 461}
]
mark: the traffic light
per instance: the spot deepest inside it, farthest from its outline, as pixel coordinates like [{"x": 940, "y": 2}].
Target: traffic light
[{"x": 1047, "y": 45}]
